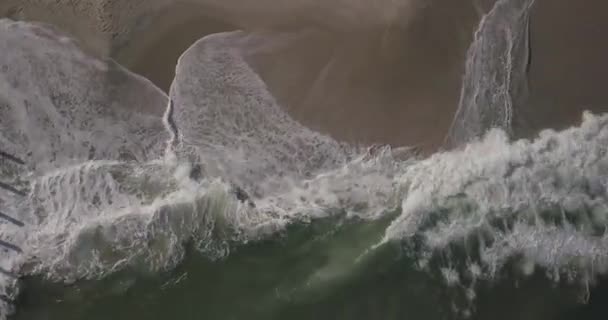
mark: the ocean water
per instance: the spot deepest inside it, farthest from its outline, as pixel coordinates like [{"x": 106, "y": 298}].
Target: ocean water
[{"x": 212, "y": 203}]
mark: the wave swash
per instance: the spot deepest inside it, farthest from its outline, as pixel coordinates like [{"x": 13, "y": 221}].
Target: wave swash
[{"x": 121, "y": 177}]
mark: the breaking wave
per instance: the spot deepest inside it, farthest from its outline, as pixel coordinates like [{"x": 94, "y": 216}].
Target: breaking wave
[{"x": 121, "y": 177}]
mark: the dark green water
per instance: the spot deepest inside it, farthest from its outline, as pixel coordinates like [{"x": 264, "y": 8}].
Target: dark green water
[{"x": 319, "y": 271}]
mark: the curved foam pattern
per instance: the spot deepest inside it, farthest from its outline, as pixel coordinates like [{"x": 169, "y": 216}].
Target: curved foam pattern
[
  {"x": 103, "y": 198},
  {"x": 59, "y": 106},
  {"x": 229, "y": 121},
  {"x": 495, "y": 81}
]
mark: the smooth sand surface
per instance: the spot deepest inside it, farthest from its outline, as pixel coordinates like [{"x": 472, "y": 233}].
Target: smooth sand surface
[
  {"x": 569, "y": 61},
  {"x": 383, "y": 73}
]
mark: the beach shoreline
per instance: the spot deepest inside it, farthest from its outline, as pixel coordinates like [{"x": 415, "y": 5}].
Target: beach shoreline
[{"x": 380, "y": 82}]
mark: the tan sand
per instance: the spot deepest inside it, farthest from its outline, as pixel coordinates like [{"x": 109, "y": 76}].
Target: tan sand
[
  {"x": 569, "y": 61},
  {"x": 389, "y": 72}
]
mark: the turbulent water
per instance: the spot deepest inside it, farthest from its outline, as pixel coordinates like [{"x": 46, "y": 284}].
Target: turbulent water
[
  {"x": 212, "y": 203},
  {"x": 496, "y": 66}
]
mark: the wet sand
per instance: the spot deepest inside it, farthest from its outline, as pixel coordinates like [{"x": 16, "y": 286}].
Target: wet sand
[
  {"x": 569, "y": 62},
  {"x": 396, "y": 84},
  {"x": 388, "y": 76},
  {"x": 385, "y": 83}
]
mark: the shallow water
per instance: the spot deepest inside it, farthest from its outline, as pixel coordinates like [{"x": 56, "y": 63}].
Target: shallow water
[{"x": 275, "y": 279}]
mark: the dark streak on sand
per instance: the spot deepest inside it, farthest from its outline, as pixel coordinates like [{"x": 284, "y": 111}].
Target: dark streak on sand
[
  {"x": 12, "y": 189},
  {"x": 11, "y": 219}
]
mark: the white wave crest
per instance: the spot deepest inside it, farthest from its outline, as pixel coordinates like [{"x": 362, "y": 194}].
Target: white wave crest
[{"x": 103, "y": 196}]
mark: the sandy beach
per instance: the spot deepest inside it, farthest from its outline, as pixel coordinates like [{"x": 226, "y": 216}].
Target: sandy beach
[
  {"x": 228, "y": 209},
  {"x": 384, "y": 73},
  {"x": 569, "y": 64}
]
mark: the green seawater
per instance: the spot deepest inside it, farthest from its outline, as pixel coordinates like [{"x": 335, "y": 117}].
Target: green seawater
[{"x": 328, "y": 269}]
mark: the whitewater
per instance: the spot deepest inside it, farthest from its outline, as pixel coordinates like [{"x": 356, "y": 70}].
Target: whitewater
[{"x": 120, "y": 176}]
